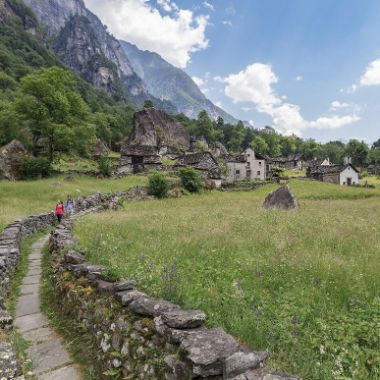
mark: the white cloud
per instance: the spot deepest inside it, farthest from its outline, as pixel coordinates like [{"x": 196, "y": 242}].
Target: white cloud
[
  {"x": 174, "y": 36},
  {"x": 372, "y": 75},
  {"x": 218, "y": 104},
  {"x": 230, "y": 10},
  {"x": 227, "y": 22},
  {"x": 208, "y": 5},
  {"x": 337, "y": 105},
  {"x": 198, "y": 81},
  {"x": 255, "y": 84},
  {"x": 299, "y": 78},
  {"x": 167, "y": 5}
]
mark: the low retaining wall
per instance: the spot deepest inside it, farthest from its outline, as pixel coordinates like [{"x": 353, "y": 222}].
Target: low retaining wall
[
  {"x": 139, "y": 337},
  {"x": 10, "y": 250}
]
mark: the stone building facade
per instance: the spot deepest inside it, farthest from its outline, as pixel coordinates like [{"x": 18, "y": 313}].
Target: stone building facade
[{"x": 246, "y": 166}]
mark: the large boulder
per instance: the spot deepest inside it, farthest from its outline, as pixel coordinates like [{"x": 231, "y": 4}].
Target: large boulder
[
  {"x": 282, "y": 198},
  {"x": 99, "y": 149},
  {"x": 11, "y": 156},
  {"x": 156, "y": 132}
]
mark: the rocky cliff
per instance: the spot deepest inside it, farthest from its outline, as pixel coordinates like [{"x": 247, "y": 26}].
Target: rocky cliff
[
  {"x": 84, "y": 44},
  {"x": 164, "y": 81}
]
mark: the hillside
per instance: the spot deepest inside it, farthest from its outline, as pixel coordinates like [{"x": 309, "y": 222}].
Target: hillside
[
  {"x": 165, "y": 81},
  {"x": 84, "y": 44}
]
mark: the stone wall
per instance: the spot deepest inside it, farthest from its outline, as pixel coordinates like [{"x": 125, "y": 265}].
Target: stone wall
[
  {"x": 10, "y": 250},
  {"x": 139, "y": 337}
]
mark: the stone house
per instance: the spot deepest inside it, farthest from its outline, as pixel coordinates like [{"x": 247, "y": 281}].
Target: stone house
[
  {"x": 246, "y": 166},
  {"x": 344, "y": 175},
  {"x": 205, "y": 163},
  {"x": 138, "y": 158},
  {"x": 295, "y": 161}
]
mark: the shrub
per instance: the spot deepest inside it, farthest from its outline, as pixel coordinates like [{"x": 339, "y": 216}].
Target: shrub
[
  {"x": 158, "y": 185},
  {"x": 105, "y": 166},
  {"x": 34, "y": 167},
  {"x": 190, "y": 179}
]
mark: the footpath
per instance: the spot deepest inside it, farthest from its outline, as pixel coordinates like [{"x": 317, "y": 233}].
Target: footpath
[{"x": 50, "y": 359}]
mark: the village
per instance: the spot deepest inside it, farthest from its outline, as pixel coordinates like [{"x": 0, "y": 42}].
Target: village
[{"x": 156, "y": 137}]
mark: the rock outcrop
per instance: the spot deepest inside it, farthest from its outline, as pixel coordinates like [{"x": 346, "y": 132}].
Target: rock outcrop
[
  {"x": 282, "y": 198},
  {"x": 155, "y": 128},
  {"x": 11, "y": 156}
]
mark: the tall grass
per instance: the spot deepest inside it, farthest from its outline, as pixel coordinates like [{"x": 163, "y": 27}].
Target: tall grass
[
  {"x": 303, "y": 285},
  {"x": 19, "y": 199}
]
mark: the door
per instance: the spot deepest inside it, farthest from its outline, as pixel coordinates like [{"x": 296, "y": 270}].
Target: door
[{"x": 349, "y": 181}]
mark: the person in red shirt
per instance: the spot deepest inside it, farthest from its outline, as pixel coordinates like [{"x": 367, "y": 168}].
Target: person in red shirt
[{"x": 59, "y": 211}]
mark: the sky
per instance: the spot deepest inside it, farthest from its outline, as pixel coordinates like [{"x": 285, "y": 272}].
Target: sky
[{"x": 305, "y": 67}]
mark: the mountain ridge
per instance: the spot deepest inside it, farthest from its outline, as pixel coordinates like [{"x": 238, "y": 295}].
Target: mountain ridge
[{"x": 165, "y": 81}]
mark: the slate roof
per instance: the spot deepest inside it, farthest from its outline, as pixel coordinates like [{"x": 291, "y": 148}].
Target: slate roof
[
  {"x": 332, "y": 169},
  {"x": 195, "y": 158},
  {"x": 296, "y": 157}
]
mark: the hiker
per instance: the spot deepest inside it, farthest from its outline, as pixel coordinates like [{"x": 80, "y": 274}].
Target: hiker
[
  {"x": 59, "y": 211},
  {"x": 69, "y": 205}
]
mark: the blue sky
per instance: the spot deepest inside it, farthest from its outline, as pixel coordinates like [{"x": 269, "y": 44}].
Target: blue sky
[{"x": 309, "y": 67}]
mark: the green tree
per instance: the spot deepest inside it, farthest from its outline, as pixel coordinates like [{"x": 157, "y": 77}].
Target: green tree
[
  {"x": 311, "y": 149},
  {"x": 54, "y": 110},
  {"x": 148, "y": 104},
  {"x": 205, "y": 127},
  {"x": 259, "y": 145},
  {"x": 237, "y": 137},
  {"x": 358, "y": 151}
]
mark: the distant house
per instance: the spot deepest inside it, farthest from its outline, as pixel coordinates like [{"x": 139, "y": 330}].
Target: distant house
[
  {"x": 138, "y": 158},
  {"x": 295, "y": 161},
  {"x": 205, "y": 163},
  {"x": 248, "y": 165},
  {"x": 344, "y": 175}
]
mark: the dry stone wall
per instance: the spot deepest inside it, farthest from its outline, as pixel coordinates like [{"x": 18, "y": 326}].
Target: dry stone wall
[
  {"x": 140, "y": 337},
  {"x": 10, "y": 250}
]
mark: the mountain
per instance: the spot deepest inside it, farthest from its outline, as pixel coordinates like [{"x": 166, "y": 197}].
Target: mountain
[
  {"x": 165, "y": 81},
  {"x": 83, "y": 43}
]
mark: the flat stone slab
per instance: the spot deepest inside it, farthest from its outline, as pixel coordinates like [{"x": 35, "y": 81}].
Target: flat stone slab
[
  {"x": 30, "y": 322},
  {"x": 30, "y": 289},
  {"x": 34, "y": 271},
  {"x": 28, "y": 305},
  {"x": 29, "y": 280},
  {"x": 65, "y": 373},
  {"x": 39, "y": 335},
  {"x": 34, "y": 256},
  {"x": 48, "y": 356}
]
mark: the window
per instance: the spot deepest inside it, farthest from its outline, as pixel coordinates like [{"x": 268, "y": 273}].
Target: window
[
  {"x": 248, "y": 163},
  {"x": 237, "y": 171},
  {"x": 259, "y": 172},
  {"x": 260, "y": 163}
]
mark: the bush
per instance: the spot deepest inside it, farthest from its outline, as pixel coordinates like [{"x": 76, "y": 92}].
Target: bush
[
  {"x": 190, "y": 179},
  {"x": 34, "y": 167},
  {"x": 158, "y": 185},
  {"x": 105, "y": 166}
]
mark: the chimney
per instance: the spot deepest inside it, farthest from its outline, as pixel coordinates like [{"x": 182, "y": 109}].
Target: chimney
[{"x": 347, "y": 160}]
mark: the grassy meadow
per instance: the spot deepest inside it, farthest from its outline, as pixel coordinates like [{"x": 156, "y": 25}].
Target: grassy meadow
[
  {"x": 22, "y": 198},
  {"x": 303, "y": 285}
]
